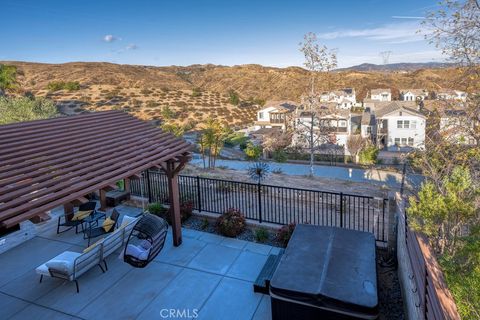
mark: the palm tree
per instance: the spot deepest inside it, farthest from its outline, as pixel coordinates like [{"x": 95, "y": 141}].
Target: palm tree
[{"x": 8, "y": 77}]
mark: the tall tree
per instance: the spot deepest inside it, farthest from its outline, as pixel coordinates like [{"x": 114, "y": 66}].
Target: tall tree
[
  {"x": 8, "y": 77},
  {"x": 312, "y": 127}
]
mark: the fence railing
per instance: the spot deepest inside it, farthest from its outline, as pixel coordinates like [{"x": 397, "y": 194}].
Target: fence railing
[
  {"x": 273, "y": 204},
  {"x": 425, "y": 290}
]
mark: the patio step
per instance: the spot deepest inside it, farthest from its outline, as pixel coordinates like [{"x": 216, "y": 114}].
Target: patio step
[{"x": 262, "y": 283}]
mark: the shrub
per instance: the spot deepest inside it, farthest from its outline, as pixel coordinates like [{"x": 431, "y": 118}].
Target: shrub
[
  {"x": 280, "y": 156},
  {"x": 196, "y": 92},
  {"x": 233, "y": 97},
  {"x": 157, "y": 209},
  {"x": 368, "y": 155},
  {"x": 62, "y": 85},
  {"x": 25, "y": 109},
  {"x": 252, "y": 151},
  {"x": 205, "y": 224},
  {"x": 261, "y": 234},
  {"x": 231, "y": 223},
  {"x": 285, "y": 233}
]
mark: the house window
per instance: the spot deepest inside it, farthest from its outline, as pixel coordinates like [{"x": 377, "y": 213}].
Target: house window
[
  {"x": 413, "y": 124},
  {"x": 410, "y": 141},
  {"x": 260, "y": 115},
  {"x": 342, "y": 123},
  {"x": 369, "y": 130},
  {"x": 404, "y": 141},
  {"x": 397, "y": 141},
  {"x": 406, "y": 124},
  {"x": 399, "y": 124}
]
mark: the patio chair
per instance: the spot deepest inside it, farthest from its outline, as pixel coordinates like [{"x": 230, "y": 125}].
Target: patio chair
[
  {"x": 75, "y": 220},
  {"x": 94, "y": 232}
]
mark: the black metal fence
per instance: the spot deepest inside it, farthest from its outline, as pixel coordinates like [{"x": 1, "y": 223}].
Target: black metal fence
[{"x": 273, "y": 204}]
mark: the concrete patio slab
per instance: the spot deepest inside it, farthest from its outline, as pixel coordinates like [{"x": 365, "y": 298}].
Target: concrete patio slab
[
  {"x": 41, "y": 313},
  {"x": 264, "y": 310},
  {"x": 191, "y": 233},
  {"x": 28, "y": 256},
  {"x": 258, "y": 248},
  {"x": 233, "y": 299},
  {"x": 11, "y": 306},
  {"x": 183, "y": 254},
  {"x": 187, "y": 293},
  {"x": 129, "y": 296},
  {"x": 210, "y": 238},
  {"x": 247, "y": 266},
  {"x": 68, "y": 236},
  {"x": 92, "y": 285},
  {"x": 234, "y": 243},
  {"x": 214, "y": 258}
]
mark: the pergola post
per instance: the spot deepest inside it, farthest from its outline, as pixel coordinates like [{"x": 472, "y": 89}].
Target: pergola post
[
  {"x": 127, "y": 186},
  {"x": 103, "y": 200},
  {"x": 172, "y": 168},
  {"x": 68, "y": 208}
]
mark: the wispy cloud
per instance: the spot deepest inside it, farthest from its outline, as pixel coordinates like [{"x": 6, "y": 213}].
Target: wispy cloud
[
  {"x": 131, "y": 46},
  {"x": 110, "y": 38},
  {"x": 401, "y": 32}
]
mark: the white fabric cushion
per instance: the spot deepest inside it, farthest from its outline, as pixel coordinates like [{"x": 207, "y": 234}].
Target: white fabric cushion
[
  {"x": 67, "y": 258},
  {"x": 127, "y": 220},
  {"x": 137, "y": 252},
  {"x": 64, "y": 261}
]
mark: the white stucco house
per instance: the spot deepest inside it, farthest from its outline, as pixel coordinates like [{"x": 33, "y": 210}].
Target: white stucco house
[
  {"x": 275, "y": 114},
  {"x": 381, "y": 94},
  {"x": 332, "y": 129},
  {"x": 449, "y": 94},
  {"x": 344, "y": 98},
  {"x": 455, "y": 126},
  {"x": 399, "y": 127},
  {"x": 413, "y": 94}
]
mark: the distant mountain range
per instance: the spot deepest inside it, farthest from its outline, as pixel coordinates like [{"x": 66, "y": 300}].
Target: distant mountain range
[{"x": 397, "y": 66}]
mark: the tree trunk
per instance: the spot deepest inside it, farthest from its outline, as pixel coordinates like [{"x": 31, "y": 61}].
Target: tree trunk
[{"x": 312, "y": 147}]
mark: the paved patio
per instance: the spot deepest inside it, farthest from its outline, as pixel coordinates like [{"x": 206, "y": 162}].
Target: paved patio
[{"x": 208, "y": 275}]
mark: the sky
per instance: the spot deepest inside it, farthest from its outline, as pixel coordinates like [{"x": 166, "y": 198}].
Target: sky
[{"x": 223, "y": 32}]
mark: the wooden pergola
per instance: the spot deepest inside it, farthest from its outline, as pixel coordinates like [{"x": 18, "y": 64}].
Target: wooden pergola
[{"x": 54, "y": 162}]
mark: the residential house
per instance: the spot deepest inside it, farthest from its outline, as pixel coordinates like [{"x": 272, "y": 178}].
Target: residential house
[
  {"x": 399, "y": 126},
  {"x": 332, "y": 128},
  {"x": 367, "y": 126},
  {"x": 381, "y": 95},
  {"x": 449, "y": 94},
  {"x": 413, "y": 94},
  {"x": 275, "y": 114},
  {"x": 344, "y": 98},
  {"x": 457, "y": 127}
]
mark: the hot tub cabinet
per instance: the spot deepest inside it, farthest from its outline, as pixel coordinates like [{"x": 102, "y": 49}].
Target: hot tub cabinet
[{"x": 326, "y": 273}]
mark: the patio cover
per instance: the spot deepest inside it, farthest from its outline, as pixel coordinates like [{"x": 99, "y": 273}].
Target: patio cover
[{"x": 47, "y": 163}]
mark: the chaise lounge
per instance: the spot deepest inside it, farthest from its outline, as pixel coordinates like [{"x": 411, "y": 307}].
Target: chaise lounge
[{"x": 71, "y": 265}]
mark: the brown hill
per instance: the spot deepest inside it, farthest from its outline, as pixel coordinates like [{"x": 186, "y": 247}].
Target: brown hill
[{"x": 107, "y": 85}]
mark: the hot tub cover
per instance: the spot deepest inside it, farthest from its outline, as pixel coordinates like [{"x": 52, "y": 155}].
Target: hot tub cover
[{"x": 330, "y": 268}]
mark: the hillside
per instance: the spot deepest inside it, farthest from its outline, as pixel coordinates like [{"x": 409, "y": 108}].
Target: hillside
[
  {"x": 145, "y": 90},
  {"x": 397, "y": 66}
]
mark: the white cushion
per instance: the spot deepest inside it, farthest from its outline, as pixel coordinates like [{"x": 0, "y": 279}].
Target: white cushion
[
  {"x": 127, "y": 220},
  {"x": 63, "y": 262},
  {"x": 137, "y": 252}
]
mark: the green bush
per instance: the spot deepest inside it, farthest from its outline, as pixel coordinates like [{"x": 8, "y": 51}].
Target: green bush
[
  {"x": 233, "y": 97},
  {"x": 196, "y": 92},
  {"x": 62, "y": 85},
  {"x": 280, "y": 156},
  {"x": 252, "y": 151},
  {"x": 285, "y": 233},
  {"x": 236, "y": 139},
  {"x": 231, "y": 223},
  {"x": 157, "y": 209},
  {"x": 25, "y": 109},
  {"x": 368, "y": 155},
  {"x": 261, "y": 234},
  {"x": 186, "y": 208},
  {"x": 205, "y": 224}
]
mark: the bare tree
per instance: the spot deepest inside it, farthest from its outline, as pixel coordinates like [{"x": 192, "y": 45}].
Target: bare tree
[
  {"x": 310, "y": 126},
  {"x": 355, "y": 144}
]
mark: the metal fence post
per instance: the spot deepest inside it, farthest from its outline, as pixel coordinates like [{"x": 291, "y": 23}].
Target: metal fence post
[
  {"x": 199, "y": 197},
  {"x": 259, "y": 203},
  {"x": 149, "y": 190},
  {"x": 341, "y": 209}
]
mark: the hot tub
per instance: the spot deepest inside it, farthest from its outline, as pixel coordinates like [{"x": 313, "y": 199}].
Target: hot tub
[{"x": 326, "y": 273}]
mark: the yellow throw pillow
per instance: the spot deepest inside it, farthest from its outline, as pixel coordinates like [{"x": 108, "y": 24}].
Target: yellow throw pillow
[
  {"x": 87, "y": 249},
  {"x": 80, "y": 215},
  {"x": 108, "y": 224}
]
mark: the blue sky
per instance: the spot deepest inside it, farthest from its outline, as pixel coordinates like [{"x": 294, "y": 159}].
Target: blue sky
[{"x": 220, "y": 32}]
